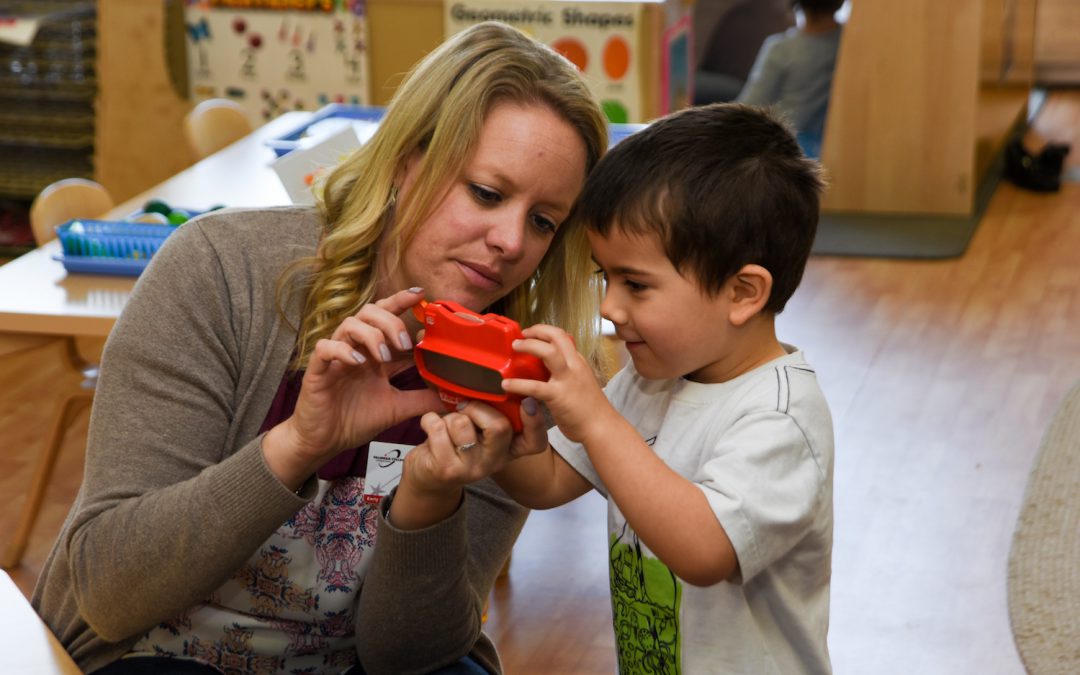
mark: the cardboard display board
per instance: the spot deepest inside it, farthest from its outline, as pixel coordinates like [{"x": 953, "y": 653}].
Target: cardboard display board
[
  {"x": 635, "y": 55},
  {"x": 276, "y": 55}
]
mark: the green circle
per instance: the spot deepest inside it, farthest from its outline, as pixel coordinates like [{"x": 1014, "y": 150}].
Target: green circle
[
  {"x": 615, "y": 112},
  {"x": 177, "y": 217}
]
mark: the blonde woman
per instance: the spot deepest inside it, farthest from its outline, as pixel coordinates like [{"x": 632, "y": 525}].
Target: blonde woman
[{"x": 221, "y": 525}]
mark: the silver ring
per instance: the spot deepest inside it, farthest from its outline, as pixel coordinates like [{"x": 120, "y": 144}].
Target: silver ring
[{"x": 465, "y": 446}]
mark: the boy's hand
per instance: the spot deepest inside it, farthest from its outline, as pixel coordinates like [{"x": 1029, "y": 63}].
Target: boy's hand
[{"x": 572, "y": 394}]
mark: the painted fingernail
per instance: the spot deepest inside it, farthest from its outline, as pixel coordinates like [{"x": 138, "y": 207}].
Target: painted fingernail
[
  {"x": 416, "y": 289},
  {"x": 406, "y": 343},
  {"x": 461, "y": 406},
  {"x": 358, "y": 357},
  {"x": 384, "y": 353},
  {"x": 530, "y": 406}
]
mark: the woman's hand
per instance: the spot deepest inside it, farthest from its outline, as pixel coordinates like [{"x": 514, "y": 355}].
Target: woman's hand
[
  {"x": 462, "y": 447},
  {"x": 346, "y": 398}
]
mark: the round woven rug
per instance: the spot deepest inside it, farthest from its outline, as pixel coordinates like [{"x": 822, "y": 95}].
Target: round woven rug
[{"x": 1044, "y": 564}]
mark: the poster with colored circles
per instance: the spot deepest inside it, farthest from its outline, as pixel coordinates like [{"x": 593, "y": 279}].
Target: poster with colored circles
[
  {"x": 275, "y": 55},
  {"x": 600, "y": 38}
]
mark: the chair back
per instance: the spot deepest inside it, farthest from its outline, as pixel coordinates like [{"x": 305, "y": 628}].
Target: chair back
[
  {"x": 214, "y": 124},
  {"x": 66, "y": 199}
]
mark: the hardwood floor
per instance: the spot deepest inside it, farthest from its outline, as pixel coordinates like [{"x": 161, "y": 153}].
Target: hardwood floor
[{"x": 942, "y": 376}]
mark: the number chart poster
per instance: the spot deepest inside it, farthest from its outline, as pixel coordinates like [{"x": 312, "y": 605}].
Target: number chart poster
[
  {"x": 600, "y": 38},
  {"x": 277, "y": 55}
]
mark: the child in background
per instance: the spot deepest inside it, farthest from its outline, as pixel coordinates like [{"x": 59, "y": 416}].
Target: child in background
[
  {"x": 714, "y": 446},
  {"x": 794, "y": 71}
]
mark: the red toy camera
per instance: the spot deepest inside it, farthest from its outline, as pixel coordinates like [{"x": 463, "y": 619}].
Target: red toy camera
[{"x": 467, "y": 356}]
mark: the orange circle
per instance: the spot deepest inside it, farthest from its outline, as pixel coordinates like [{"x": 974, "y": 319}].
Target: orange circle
[
  {"x": 573, "y": 50},
  {"x": 616, "y": 57}
]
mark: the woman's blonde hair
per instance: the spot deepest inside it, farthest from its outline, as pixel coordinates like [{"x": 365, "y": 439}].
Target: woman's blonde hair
[{"x": 439, "y": 110}]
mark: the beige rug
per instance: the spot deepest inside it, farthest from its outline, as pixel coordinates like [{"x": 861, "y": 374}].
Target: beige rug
[{"x": 1044, "y": 564}]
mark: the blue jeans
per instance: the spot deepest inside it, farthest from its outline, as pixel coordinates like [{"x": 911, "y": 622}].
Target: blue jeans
[
  {"x": 162, "y": 665},
  {"x": 810, "y": 144}
]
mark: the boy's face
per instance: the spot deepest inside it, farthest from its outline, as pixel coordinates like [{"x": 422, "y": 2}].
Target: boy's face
[{"x": 671, "y": 327}]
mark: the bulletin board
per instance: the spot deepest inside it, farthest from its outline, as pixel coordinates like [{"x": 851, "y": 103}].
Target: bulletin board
[
  {"x": 276, "y": 55},
  {"x": 635, "y": 55}
]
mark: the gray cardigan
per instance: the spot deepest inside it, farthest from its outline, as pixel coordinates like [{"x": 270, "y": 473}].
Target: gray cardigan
[{"x": 176, "y": 495}]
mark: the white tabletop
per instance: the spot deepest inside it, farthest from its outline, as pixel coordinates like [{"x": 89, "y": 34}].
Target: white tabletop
[
  {"x": 26, "y": 643},
  {"x": 38, "y": 296}
]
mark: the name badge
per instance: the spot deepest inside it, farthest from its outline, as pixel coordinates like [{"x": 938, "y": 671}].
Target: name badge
[{"x": 384, "y": 465}]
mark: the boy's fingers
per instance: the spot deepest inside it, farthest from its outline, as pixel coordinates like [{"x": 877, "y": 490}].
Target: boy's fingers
[
  {"x": 547, "y": 352},
  {"x": 527, "y": 388},
  {"x": 543, "y": 329}
]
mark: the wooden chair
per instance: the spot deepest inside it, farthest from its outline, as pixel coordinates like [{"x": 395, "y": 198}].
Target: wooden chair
[
  {"x": 66, "y": 199},
  {"x": 214, "y": 124},
  {"x": 58, "y": 203}
]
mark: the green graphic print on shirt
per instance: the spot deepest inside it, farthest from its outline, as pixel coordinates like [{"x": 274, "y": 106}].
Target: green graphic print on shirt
[{"x": 645, "y": 603}]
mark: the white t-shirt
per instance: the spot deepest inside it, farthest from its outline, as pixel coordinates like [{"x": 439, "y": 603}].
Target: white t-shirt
[{"x": 761, "y": 449}]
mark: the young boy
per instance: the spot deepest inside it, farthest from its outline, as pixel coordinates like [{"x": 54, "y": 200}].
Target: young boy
[{"x": 714, "y": 447}]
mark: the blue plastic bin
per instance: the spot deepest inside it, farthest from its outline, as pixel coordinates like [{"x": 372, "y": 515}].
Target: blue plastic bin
[{"x": 109, "y": 246}]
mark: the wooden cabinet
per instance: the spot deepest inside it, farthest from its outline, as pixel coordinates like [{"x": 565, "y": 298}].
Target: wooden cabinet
[
  {"x": 1057, "y": 42},
  {"x": 924, "y": 97}
]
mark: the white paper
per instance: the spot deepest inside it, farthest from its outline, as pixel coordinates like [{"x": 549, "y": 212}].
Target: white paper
[
  {"x": 18, "y": 31},
  {"x": 300, "y": 168}
]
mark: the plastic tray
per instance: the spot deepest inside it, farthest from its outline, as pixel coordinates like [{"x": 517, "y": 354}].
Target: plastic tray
[
  {"x": 286, "y": 143},
  {"x": 108, "y": 246}
]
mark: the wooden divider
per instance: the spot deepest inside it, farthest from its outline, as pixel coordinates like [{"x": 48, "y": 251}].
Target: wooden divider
[{"x": 924, "y": 97}]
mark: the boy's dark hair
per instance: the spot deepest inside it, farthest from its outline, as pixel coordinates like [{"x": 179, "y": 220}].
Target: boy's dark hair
[
  {"x": 722, "y": 186},
  {"x": 827, "y": 7}
]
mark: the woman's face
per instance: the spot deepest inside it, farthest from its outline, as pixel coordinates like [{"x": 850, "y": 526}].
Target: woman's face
[{"x": 499, "y": 215}]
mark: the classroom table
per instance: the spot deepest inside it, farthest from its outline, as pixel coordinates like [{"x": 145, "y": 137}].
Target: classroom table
[
  {"x": 39, "y": 297},
  {"x": 26, "y": 643}
]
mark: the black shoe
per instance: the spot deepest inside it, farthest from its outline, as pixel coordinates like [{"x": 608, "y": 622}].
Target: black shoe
[
  {"x": 1053, "y": 156},
  {"x": 1037, "y": 173}
]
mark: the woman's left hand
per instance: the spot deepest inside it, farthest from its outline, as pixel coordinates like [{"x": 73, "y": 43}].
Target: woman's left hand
[{"x": 461, "y": 448}]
